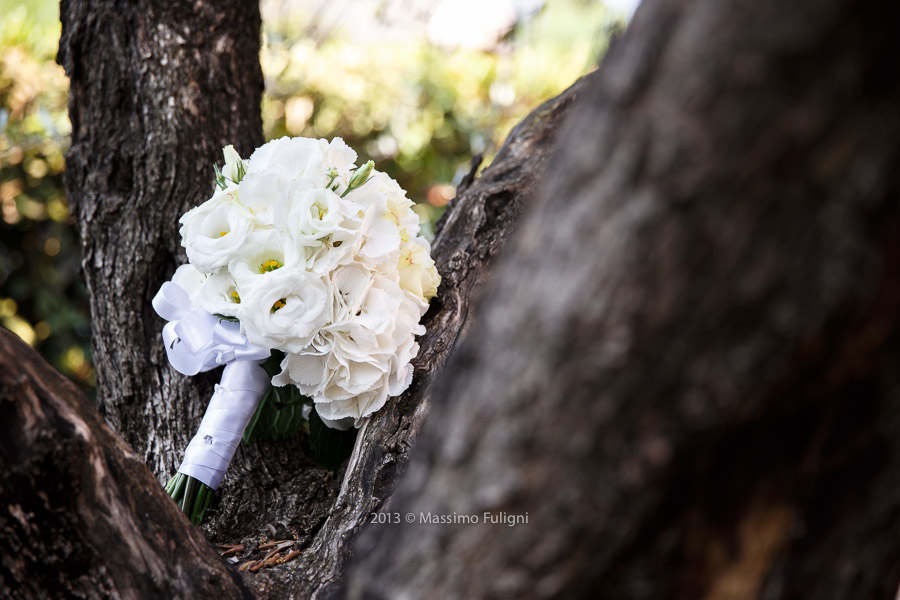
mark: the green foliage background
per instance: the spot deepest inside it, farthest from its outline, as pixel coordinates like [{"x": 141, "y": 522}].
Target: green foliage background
[{"x": 421, "y": 112}]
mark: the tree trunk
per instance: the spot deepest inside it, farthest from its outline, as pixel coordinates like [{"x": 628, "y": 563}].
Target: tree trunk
[
  {"x": 84, "y": 517},
  {"x": 685, "y": 369},
  {"x": 157, "y": 89}
]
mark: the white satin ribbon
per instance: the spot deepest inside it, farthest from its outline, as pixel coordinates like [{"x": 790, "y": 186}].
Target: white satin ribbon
[{"x": 196, "y": 341}]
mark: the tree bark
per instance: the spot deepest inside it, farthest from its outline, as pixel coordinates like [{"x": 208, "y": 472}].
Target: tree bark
[
  {"x": 84, "y": 517},
  {"x": 684, "y": 371},
  {"x": 157, "y": 89}
]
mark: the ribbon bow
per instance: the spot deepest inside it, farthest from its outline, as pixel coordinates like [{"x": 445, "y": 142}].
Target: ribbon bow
[{"x": 197, "y": 341}]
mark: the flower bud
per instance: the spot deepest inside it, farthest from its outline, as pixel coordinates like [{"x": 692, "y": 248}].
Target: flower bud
[
  {"x": 234, "y": 169},
  {"x": 361, "y": 176}
]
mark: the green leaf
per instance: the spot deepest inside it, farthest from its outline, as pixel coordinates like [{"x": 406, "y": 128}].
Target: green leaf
[
  {"x": 272, "y": 365},
  {"x": 226, "y": 318},
  {"x": 331, "y": 447},
  {"x": 278, "y": 416},
  {"x": 241, "y": 171},
  {"x": 220, "y": 179}
]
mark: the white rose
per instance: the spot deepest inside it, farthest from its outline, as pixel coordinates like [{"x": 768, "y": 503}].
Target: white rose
[
  {"x": 283, "y": 309},
  {"x": 215, "y": 232},
  {"x": 418, "y": 274}
]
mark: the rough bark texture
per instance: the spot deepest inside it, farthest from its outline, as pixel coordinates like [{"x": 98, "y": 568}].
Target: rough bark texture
[
  {"x": 685, "y": 369},
  {"x": 82, "y": 516}
]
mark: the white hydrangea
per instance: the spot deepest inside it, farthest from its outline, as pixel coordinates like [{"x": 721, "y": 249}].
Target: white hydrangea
[{"x": 320, "y": 260}]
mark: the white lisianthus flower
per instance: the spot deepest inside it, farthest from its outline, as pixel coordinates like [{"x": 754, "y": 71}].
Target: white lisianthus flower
[
  {"x": 188, "y": 278},
  {"x": 340, "y": 156},
  {"x": 214, "y": 232},
  {"x": 389, "y": 218},
  {"x": 265, "y": 251},
  {"x": 284, "y": 309},
  {"x": 292, "y": 159},
  {"x": 260, "y": 193},
  {"x": 314, "y": 215},
  {"x": 218, "y": 295}
]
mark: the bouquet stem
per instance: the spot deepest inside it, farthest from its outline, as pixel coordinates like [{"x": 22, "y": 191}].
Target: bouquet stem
[{"x": 192, "y": 496}]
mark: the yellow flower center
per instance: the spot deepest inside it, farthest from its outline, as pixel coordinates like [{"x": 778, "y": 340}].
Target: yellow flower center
[
  {"x": 236, "y": 297},
  {"x": 269, "y": 265},
  {"x": 278, "y": 304},
  {"x": 223, "y": 233}
]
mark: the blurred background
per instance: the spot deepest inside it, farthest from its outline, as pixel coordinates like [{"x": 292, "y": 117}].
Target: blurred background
[{"x": 418, "y": 86}]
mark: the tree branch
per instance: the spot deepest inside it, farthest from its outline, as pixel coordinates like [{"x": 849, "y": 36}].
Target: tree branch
[{"x": 82, "y": 515}]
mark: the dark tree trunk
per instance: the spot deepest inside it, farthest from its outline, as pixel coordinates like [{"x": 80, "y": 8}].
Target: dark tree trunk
[
  {"x": 685, "y": 369},
  {"x": 82, "y": 515},
  {"x": 157, "y": 89}
]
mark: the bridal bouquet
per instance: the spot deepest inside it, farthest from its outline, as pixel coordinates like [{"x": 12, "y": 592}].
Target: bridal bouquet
[{"x": 307, "y": 279}]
